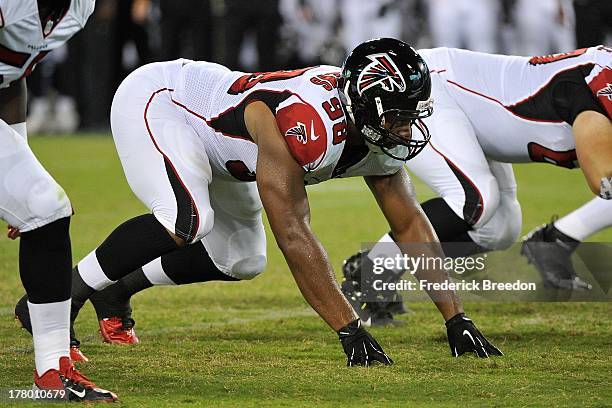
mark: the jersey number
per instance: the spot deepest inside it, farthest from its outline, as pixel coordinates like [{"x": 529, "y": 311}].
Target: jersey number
[
  {"x": 539, "y": 153},
  {"x": 334, "y": 111},
  {"x": 547, "y": 59},
  {"x": 248, "y": 81}
]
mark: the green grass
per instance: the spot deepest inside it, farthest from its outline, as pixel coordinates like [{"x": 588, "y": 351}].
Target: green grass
[{"x": 258, "y": 344}]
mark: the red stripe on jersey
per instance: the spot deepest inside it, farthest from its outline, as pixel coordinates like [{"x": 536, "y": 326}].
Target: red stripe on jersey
[
  {"x": 166, "y": 158},
  {"x": 13, "y": 58},
  {"x": 547, "y": 59},
  {"x": 601, "y": 86}
]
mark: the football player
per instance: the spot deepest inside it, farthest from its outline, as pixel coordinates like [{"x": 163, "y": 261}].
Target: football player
[
  {"x": 194, "y": 136},
  {"x": 34, "y": 205},
  {"x": 492, "y": 110}
]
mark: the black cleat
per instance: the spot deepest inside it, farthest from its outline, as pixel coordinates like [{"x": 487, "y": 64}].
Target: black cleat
[
  {"x": 550, "y": 251},
  {"x": 373, "y": 308}
]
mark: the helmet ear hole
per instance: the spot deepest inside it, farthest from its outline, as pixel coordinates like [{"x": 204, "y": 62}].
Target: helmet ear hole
[{"x": 383, "y": 76}]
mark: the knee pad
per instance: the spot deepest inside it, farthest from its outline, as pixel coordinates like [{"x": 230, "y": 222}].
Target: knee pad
[
  {"x": 206, "y": 225},
  {"x": 37, "y": 199},
  {"x": 46, "y": 199},
  {"x": 491, "y": 198},
  {"x": 503, "y": 228},
  {"x": 248, "y": 268}
]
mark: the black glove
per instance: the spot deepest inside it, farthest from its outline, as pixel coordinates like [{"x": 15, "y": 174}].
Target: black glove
[
  {"x": 360, "y": 347},
  {"x": 463, "y": 336}
]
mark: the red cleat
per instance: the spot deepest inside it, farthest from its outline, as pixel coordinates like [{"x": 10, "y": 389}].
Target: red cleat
[
  {"x": 68, "y": 384},
  {"x": 75, "y": 352},
  {"x": 115, "y": 330}
]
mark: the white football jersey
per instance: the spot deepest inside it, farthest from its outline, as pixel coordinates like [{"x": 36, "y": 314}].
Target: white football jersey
[
  {"x": 508, "y": 98},
  {"x": 308, "y": 113},
  {"x": 24, "y": 40}
]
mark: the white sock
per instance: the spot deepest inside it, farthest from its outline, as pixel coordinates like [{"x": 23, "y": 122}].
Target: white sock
[
  {"x": 586, "y": 220},
  {"x": 155, "y": 273},
  {"x": 51, "y": 332},
  {"x": 92, "y": 274},
  {"x": 386, "y": 248}
]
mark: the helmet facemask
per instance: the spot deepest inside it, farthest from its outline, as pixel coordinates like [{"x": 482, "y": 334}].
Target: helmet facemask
[{"x": 400, "y": 134}]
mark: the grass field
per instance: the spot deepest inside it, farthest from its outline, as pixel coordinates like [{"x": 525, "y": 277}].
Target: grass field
[{"x": 258, "y": 344}]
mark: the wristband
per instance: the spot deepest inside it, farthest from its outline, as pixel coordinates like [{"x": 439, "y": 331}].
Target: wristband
[
  {"x": 605, "y": 190},
  {"x": 459, "y": 317}
]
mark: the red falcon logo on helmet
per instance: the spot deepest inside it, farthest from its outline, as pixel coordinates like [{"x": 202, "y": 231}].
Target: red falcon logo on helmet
[{"x": 382, "y": 70}]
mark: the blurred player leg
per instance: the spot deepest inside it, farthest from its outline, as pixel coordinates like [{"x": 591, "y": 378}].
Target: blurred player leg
[
  {"x": 368, "y": 20},
  {"x": 534, "y": 23},
  {"x": 481, "y": 20},
  {"x": 354, "y": 20},
  {"x": 564, "y": 35},
  {"x": 235, "y": 249},
  {"x": 545, "y": 26},
  {"x": 445, "y": 22}
]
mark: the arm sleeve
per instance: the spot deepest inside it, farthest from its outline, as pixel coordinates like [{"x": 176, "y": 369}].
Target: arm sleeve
[{"x": 304, "y": 132}]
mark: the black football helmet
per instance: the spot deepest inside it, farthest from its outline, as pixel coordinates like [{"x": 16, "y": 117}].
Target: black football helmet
[{"x": 385, "y": 85}]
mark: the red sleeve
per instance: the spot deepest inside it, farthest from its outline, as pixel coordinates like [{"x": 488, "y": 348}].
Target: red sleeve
[
  {"x": 601, "y": 86},
  {"x": 304, "y": 132}
]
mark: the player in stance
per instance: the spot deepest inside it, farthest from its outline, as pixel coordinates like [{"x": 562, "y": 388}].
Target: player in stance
[
  {"x": 33, "y": 204},
  {"x": 192, "y": 138},
  {"x": 492, "y": 110}
]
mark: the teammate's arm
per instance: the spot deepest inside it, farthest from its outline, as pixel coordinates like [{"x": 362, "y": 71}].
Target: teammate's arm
[
  {"x": 280, "y": 181},
  {"x": 593, "y": 136},
  {"x": 409, "y": 225}
]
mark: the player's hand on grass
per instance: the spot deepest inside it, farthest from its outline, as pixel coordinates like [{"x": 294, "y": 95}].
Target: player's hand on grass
[
  {"x": 464, "y": 337},
  {"x": 360, "y": 347}
]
